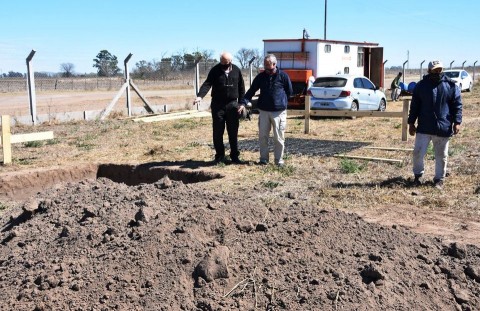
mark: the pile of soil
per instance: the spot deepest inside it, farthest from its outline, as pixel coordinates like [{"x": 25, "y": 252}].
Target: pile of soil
[{"x": 101, "y": 245}]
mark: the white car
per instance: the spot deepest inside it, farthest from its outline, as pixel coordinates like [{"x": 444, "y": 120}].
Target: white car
[
  {"x": 346, "y": 92},
  {"x": 461, "y": 78}
]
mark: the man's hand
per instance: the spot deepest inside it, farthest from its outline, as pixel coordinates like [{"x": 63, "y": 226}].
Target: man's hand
[
  {"x": 412, "y": 129},
  {"x": 456, "y": 128},
  {"x": 197, "y": 100},
  {"x": 240, "y": 109}
]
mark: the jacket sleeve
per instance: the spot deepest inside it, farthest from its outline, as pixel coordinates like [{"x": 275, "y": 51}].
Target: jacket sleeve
[
  {"x": 456, "y": 106},
  {"x": 206, "y": 85},
  {"x": 287, "y": 85},
  {"x": 251, "y": 91},
  {"x": 241, "y": 86},
  {"x": 414, "y": 106}
]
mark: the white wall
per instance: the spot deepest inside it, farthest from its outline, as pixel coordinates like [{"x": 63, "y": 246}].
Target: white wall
[{"x": 320, "y": 62}]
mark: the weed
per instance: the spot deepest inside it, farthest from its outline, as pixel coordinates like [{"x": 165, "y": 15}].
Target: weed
[
  {"x": 22, "y": 161},
  {"x": 284, "y": 170},
  {"x": 456, "y": 150},
  {"x": 430, "y": 152},
  {"x": 194, "y": 144},
  {"x": 348, "y": 166},
  {"x": 270, "y": 184},
  {"x": 52, "y": 141},
  {"x": 33, "y": 144},
  {"x": 85, "y": 146},
  {"x": 3, "y": 206},
  {"x": 186, "y": 124}
]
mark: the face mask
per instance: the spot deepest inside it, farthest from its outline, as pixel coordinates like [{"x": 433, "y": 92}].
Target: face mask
[
  {"x": 435, "y": 77},
  {"x": 271, "y": 71},
  {"x": 225, "y": 66}
]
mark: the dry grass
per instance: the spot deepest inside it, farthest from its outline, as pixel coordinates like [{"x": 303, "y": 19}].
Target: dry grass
[{"x": 314, "y": 179}]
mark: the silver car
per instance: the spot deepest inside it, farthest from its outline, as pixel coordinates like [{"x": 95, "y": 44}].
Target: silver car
[{"x": 346, "y": 92}]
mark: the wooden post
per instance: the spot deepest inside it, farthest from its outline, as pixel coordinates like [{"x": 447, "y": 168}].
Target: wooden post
[
  {"x": 307, "y": 114},
  {"x": 6, "y": 137},
  {"x": 406, "y": 104}
]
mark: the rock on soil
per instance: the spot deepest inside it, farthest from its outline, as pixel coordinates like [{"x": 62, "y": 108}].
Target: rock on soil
[{"x": 100, "y": 245}]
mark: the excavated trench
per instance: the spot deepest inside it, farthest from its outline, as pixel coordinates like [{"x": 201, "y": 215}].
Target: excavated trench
[{"x": 18, "y": 186}]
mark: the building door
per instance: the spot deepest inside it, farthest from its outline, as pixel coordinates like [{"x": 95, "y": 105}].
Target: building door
[{"x": 373, "y": 68}]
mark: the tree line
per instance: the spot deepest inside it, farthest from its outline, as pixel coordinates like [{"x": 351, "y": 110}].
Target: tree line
[{"x": 106, "y": 64}]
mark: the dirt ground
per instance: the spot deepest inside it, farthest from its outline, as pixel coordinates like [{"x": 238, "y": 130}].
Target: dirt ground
[{"x": 90, "y": 222}]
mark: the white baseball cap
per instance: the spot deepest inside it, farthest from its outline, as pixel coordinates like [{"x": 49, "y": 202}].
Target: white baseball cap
[{"x": 434, "y": 64}]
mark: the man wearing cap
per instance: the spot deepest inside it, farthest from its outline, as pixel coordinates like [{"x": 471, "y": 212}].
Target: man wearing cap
[{"x": 437, "y": 108}]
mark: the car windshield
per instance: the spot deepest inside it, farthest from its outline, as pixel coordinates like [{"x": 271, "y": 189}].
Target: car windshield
[
  {"x": 452, "y": 74},
  {"x": 330, "y": 82}
]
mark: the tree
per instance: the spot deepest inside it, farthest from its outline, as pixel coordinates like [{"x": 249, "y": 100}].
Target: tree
[
  {"x": 243, "y": 56},
  {"x": 106, "y": 64},
  {"x": 67, "y": 69},
  {"x": 142, "y": 70},
  {"x": 13, "y": 74}
]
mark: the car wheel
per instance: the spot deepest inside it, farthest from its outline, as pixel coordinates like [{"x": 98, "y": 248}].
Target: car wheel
[
  {"x": 383, "y": 105},
  {"x": 354, "y": 106},
  {"x": 470, "y": 87},
  {"x": 460, "y": 86}
]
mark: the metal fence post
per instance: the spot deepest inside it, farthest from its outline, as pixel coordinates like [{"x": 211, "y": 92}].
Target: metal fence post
[
  {"x": 421, "y": 69},
  {"x": 474, "y": 69},
  {"x": 31, "y": 87},
  {"x": 250, "y": 65},
  {"x": 403, "y": 71},
  {"x": 127, "y": 80}
]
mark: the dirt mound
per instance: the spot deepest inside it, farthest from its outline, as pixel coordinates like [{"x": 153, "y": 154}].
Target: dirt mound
[{"x": 101, "y": 245}]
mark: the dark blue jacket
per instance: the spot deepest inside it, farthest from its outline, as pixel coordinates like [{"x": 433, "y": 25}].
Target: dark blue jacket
[
  {"x": 274, "y": 91},
  {"x": 436, "y": 106}
]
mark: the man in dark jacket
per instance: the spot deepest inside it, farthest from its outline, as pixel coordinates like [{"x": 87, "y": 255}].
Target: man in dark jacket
[
  {"x": 437, "y": 107},
  {"x": 228, "y": 87},
  {"x": 275, "y": 89}
]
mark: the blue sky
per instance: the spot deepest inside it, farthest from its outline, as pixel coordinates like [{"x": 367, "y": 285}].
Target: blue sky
[{"x": 74, "y": 31}]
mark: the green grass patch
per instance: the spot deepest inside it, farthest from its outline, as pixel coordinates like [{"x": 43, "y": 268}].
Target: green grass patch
[
  {"x": 270, "y": 184},
  {"x": 284, "y": 170},
  {"x": 33, "y": 144},
  {"x": 349, "y": 166}
]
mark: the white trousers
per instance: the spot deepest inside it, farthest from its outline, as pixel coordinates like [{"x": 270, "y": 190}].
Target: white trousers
[
  {"x": 440, "y": 146},
  {"x": 266, "y": 121}
]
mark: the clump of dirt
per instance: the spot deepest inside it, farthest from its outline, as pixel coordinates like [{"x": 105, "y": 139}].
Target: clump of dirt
[{"x": 101, "y": 245}]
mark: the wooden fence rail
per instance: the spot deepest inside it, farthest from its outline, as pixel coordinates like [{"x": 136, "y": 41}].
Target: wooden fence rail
[
  {"x": 346, "y": 113},
  {"x": 7, "y": 139}
]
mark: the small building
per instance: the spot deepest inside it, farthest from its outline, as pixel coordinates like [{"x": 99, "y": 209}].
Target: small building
[{"x": 324, "y": 57}]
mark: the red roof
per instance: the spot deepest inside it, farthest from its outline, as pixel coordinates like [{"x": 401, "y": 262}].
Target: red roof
[{"x": 320, "y": 40}]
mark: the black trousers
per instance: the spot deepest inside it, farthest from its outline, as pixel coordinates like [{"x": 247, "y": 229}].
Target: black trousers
[{"x": 221, "y": 116}]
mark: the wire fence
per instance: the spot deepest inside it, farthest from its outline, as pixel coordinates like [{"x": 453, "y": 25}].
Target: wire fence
[{"x": 160, "y": 78}]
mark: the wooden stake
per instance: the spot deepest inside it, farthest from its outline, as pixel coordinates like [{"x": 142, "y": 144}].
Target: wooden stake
[
  {"x": 368, "y": 158},
  {"x": 6, "y": 140}
]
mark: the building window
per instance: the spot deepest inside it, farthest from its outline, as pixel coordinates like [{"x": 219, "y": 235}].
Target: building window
[
  {"x": 328, "y": 48},
  {"x": 360, "y": 57},
  {"x": 346, "y": 49},
  {"x": 346, "y": 70}
]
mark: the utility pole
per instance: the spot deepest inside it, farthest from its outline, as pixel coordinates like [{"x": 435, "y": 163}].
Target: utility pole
[{"x": 325, "y": 24}]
